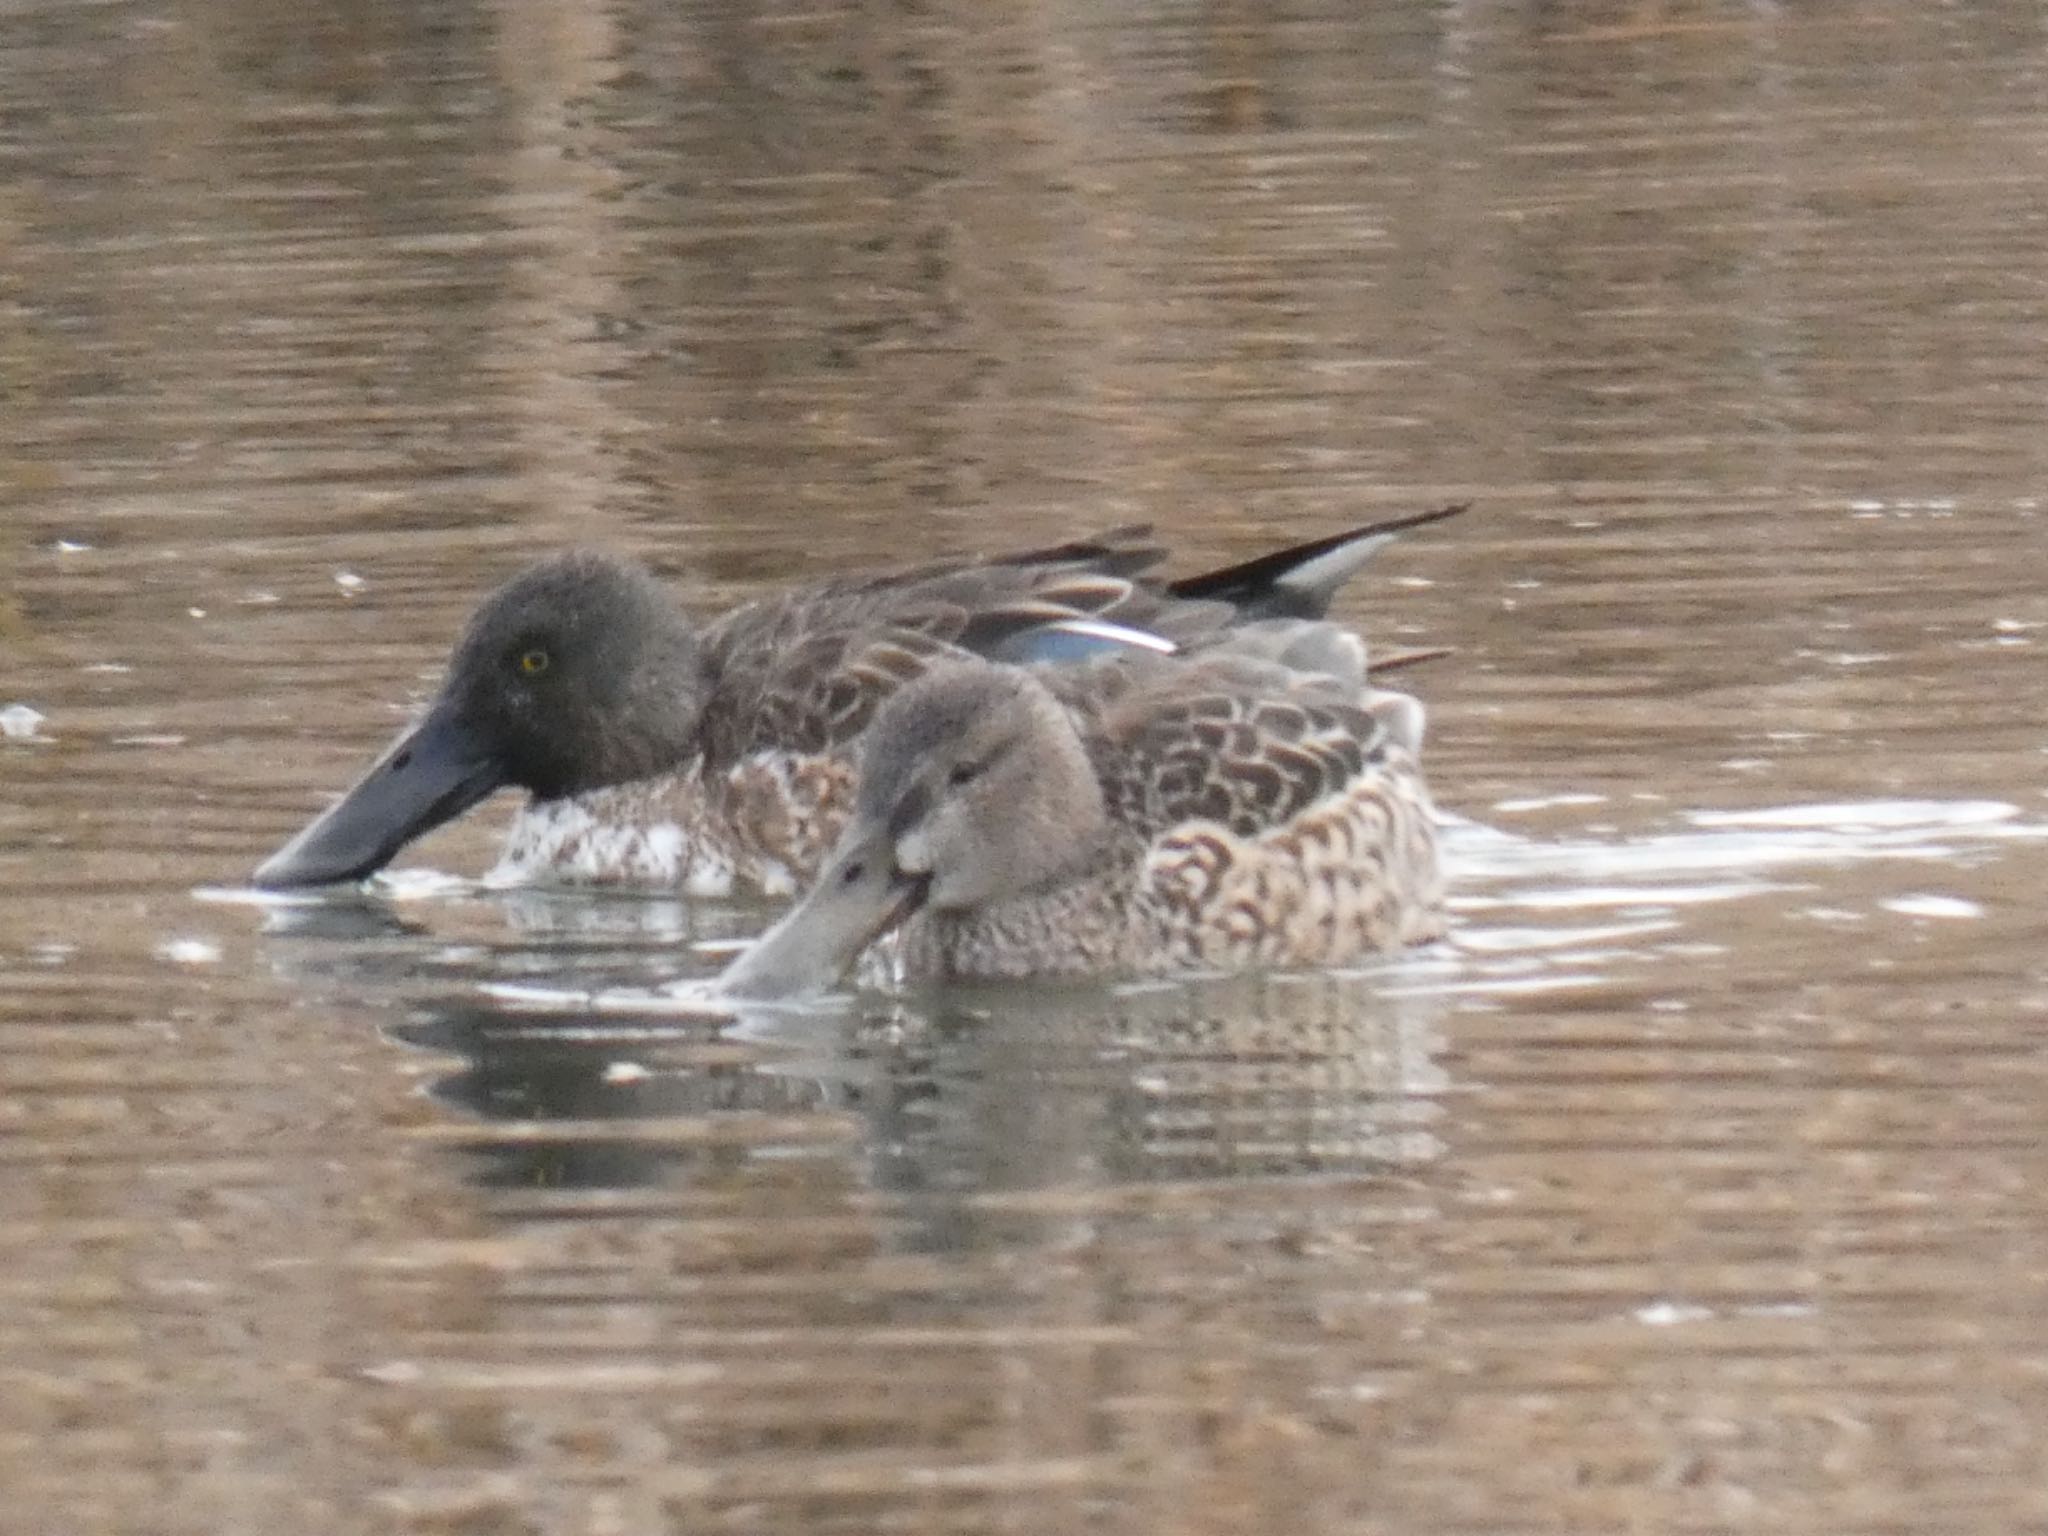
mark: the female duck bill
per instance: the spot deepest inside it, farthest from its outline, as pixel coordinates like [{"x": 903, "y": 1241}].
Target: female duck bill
[{"x": 860, "y": 895}]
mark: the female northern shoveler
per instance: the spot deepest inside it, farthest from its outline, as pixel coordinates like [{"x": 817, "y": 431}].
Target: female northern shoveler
[
  {"x": 660, "y": 752},
  {"x": 1144, "y": 815}
]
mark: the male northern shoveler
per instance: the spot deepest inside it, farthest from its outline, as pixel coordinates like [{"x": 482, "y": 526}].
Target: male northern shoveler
[
  {"x": 1132, "y": 816},
  {"x": 661, "y": 752}
]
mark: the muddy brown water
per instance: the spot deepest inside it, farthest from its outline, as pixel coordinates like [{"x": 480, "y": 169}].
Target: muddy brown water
[{"x": 1701, "y": 1184}]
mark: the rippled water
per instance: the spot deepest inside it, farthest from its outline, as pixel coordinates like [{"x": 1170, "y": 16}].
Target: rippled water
[{"x": 1698, "y": 1185}]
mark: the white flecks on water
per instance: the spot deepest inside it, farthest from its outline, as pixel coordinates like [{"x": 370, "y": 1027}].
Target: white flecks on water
[
  {"x": 1863, "y": 815},
  {"x": 189, "y": 951},
  {"x": 1928, "y": 905},
  {"x": 1547, "y": 803},
  {"x": 1563, "y": 904},
  {"x": 694, "y": 999},
  {"x": 348, "y": 581},
  {"x": 19, "y": 721},
  {"x": 249, "y": 896},
  {"x": 1666, "y": 1314},
  {"x": 71, "y": 547},
  {"x": 1903, "y": 507},
  {"x": 419, "y": 884},
  {"x": 718, "y": 949},
  {"x": 626, "y": 1072}
]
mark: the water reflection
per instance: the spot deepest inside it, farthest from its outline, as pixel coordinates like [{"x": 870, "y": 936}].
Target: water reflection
[
  {"x": 981, "y": 1089},
  {"x": 1213, "y": 1080},
  {"x": 586, "y": 1061}
]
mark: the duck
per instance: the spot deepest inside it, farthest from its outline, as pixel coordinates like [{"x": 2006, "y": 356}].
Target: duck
[
  {"x": 1259, "y": 805},
  {"x": 718, "y": 758}
]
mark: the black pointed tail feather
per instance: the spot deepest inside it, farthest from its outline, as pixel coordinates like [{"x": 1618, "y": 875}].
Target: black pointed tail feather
[{"x": 1298, "y": 582}]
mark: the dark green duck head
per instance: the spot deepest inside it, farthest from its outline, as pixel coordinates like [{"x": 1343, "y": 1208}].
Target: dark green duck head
[{"x": 578, "y": 673}]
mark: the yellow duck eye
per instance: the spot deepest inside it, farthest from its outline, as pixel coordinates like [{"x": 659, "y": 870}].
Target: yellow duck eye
[{"x": 533, "y": 662}]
